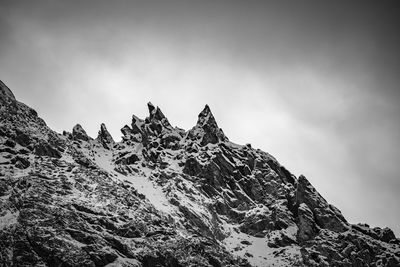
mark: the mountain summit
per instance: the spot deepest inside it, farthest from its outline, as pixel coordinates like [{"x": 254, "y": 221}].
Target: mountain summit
[
  {"x": 163, "y": 196},
  {"x": 5, "y": 92},
  {"x": 206, "y": 129}
]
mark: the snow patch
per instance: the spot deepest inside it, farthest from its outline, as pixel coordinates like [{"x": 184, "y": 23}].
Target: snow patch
[
  {"x": 256, "y": 249},
  {"x": 8, "y": 219},
  {"x": 152, "y": 191}
]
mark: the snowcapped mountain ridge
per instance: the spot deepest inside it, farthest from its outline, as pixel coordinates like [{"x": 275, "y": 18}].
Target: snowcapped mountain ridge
[{"x": 163, "y": 196}]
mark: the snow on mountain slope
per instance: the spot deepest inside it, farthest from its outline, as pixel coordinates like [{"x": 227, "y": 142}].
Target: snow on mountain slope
[
  {"x": 163, "y": 196},
  {"x": 257, "y": 250}
]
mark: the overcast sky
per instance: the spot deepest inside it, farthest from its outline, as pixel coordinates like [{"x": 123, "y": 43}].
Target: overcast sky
[{"x": 315, "y": 84}]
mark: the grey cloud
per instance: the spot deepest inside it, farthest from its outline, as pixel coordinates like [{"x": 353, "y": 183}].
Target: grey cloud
[{"x": 315, "y": 84}]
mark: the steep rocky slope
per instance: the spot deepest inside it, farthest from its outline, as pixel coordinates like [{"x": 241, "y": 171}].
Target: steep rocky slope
[{"x": 163, "y": 196}]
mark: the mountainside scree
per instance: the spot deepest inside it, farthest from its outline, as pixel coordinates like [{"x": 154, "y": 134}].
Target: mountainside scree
[{"x": 163, "y": 196}]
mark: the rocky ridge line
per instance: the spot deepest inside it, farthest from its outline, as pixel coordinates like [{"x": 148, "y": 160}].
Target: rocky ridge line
[{"x": 163, "y": 196}]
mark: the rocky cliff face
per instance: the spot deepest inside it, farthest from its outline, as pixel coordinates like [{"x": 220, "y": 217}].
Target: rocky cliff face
[{"x": 163, "y": 196}]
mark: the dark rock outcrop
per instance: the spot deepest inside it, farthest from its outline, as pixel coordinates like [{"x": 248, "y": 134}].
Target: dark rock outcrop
[
  {"x": 45, "y": 149},
  {"x": 326, "y": 215},
  {"x": 104, "y": 137},
  {"x": 307, "y": 227},
  {"x": 206, "y": 130},
  {"x": 78, "y": 133},
  {"x": 5, "y": 92}
]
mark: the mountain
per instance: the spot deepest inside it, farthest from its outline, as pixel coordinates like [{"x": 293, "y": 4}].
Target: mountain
[{"x": 163, "y": 196}]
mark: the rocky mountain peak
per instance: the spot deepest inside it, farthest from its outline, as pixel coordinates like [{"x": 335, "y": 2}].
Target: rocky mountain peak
[
  {"x": 157, "y": 115},
  {"x": 136, "y": 124},
  {"x": 160, "y": 194},
  {"x": 104, "y": 137},
  {"x": 78, "y": 133},
  {"x": 206, "y": 117},
  {"x": 206, "y": 129},
  {"x": 5, "y": 92},
  {"x": 151, "y": 108}
]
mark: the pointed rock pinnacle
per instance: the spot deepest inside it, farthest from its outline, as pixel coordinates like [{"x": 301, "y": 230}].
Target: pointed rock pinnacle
[
  {"x": 104, "y": 137},
  {"x": 206, "y": 117},
  {"x": 78, "y": 133},
  {"x": 151, "y": 108},
  {"x": 156, "y": 114},
  {"x": 136, "y": 125},
  {"x": 126, "y": 131},
  {"x": 207, "y": 129},
  {"x": 5, "y": 92}
]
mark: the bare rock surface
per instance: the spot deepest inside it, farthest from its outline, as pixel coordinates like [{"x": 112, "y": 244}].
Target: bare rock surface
[
  {"x": 104, "y": 137},
  {"x": 163, "y": 196}
]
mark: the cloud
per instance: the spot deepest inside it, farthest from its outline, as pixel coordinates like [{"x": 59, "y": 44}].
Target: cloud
[{"x": 314, "y": 84}]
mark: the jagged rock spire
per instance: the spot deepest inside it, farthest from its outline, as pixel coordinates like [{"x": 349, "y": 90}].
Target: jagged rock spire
[
  {"x": 78, "y": 133},
  {"x": 157, "y": 115},
  {"x": 151, "y": 108},
  {"x": 104, "y": 137},
  {"x": 126, "y": 132},
  {"x": 136, "y": 132},
  {"x": 136, "y": 124},
  {"x": 206, "y": 129},
  {"x": 206, "y": 116},
  {"x": 5, "y": 92},
  {"x": 326, "y": 215}
]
